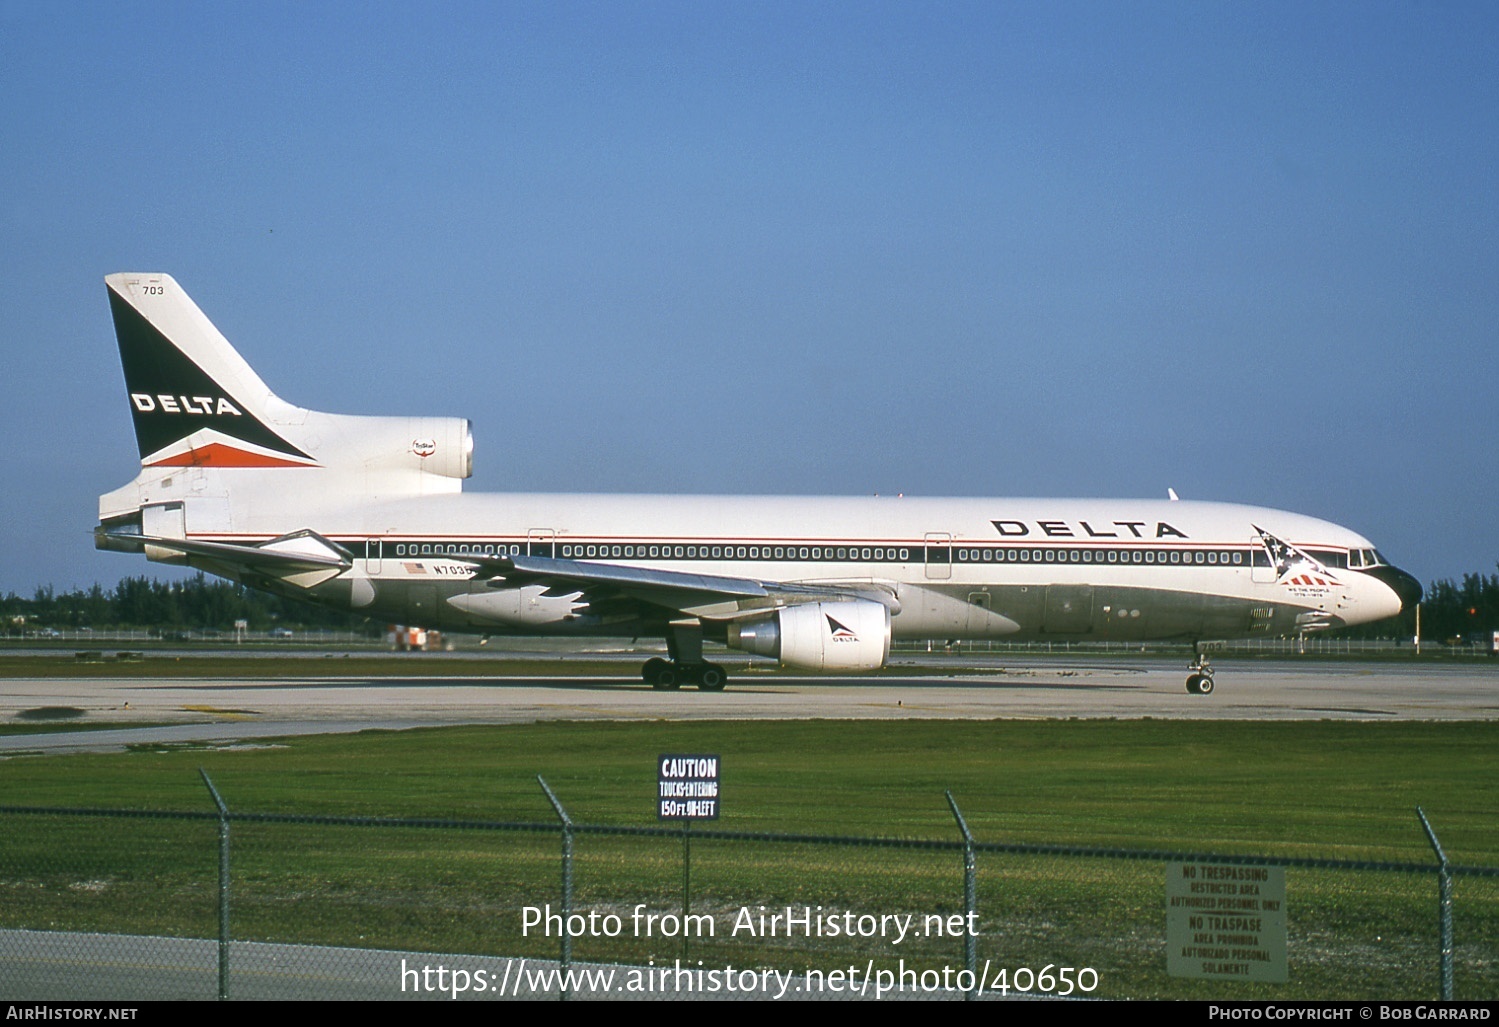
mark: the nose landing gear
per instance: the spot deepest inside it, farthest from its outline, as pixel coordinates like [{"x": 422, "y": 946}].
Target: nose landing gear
[{"x": 1200, "y": 681}]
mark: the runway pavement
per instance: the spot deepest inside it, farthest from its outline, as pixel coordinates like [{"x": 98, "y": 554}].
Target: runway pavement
[
  {"x": 209, "y": 711},
  {"x": 76, "y": 966}
]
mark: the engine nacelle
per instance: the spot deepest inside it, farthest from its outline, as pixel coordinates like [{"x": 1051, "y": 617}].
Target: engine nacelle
[
  {"x": 838, "y": 636},
  {"x": 443, "y": 446}
]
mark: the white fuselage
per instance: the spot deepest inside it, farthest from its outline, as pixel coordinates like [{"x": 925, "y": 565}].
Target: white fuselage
[{"x": 971, "y": 568}]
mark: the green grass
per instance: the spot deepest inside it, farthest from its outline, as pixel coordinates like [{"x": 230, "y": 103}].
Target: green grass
[
  {"x": 1329, "y": 788},
  {"x": 1320, "y": 789},
  {"x": 45, "y": 726},
  {"x": 232, "y": 667}
]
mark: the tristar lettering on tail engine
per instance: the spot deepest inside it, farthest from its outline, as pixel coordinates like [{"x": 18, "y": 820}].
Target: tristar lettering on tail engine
[{"x": 369, "y": 514}]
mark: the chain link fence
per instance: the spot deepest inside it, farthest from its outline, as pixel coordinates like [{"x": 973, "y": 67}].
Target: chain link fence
[
  {"x": 1296, "y": 645},
  {"x": 135, "y": 905}
]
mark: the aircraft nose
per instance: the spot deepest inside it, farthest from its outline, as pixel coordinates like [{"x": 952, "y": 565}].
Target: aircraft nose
[{"x": 1407, "y": 588}]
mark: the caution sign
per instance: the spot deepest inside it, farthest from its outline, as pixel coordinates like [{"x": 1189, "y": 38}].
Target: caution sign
[
  {"x": 686, "y": 787},
  {"x": 1226, "y": 922}
]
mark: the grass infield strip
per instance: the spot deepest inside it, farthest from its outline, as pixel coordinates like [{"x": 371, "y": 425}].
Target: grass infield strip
[{"x": 1299, "y": 791}]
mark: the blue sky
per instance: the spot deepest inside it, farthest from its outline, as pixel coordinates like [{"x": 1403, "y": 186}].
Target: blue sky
[{"x": 1248, "y": 251}]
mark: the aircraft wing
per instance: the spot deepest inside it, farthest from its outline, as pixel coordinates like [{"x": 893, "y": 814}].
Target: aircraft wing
[{"x": 700, "y": 595}]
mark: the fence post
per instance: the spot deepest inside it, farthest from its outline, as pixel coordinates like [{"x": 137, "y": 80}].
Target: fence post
[
  {"x": 686, "y": 883},
  {"x": 223, "y": 886},
  {"x": 1444, "y": 906},
  {"x": 970, "y": 901},
  {"x": 567, "y": 885}
]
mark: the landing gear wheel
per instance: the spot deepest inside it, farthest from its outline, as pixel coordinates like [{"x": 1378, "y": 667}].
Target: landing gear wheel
[
  {"x": 652, "y": 668},
  {"x": 711, "y": 678},
  {"x": 1200, "y": 682},
  {"x": 662, "y": 675}
]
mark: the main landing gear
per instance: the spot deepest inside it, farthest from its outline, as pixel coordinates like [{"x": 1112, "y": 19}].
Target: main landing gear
[
  {"x": 1200, "y": 681},
  {"x": 668, "y": 675},
  {"x": 686, "y": 667}
]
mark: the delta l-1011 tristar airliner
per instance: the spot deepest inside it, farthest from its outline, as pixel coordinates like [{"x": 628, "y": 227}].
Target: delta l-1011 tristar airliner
[{"x": 368, "y": 514}]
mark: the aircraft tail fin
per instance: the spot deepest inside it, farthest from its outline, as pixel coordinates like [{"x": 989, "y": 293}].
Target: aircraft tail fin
[
  {"x": 216, "y": 443},
  {"x": 194, "y": 400}
]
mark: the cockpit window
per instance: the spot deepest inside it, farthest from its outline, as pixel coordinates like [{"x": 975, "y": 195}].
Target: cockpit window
[{"x": 1365, "y": 558}]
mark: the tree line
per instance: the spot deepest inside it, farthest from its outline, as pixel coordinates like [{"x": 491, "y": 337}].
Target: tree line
[
  {"x": 195, "y": 604},
  {"x": 1449, "y": 609}
]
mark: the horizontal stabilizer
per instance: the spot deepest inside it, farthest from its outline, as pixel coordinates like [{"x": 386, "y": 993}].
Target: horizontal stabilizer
[{"x": 290, "y": 554}]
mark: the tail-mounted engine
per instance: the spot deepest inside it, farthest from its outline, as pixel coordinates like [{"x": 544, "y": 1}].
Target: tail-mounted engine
[{"x": 443, "y": 446}]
